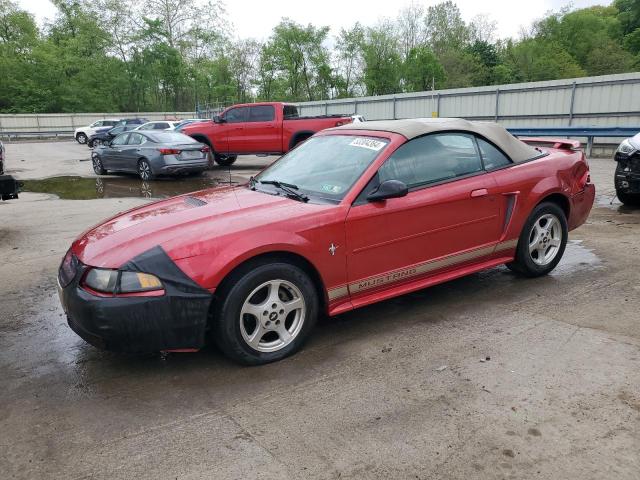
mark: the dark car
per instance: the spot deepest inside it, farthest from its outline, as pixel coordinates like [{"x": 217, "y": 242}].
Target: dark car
[
  {"x": 105, "y": 135},
  {"x": 151, "y": 153},
  {"x": 9, "y": 187},
  {"x": 627, "y": 176}
]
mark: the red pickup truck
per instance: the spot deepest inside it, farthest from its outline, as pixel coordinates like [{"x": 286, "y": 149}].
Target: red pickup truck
[{"x": 258, "y": 129}]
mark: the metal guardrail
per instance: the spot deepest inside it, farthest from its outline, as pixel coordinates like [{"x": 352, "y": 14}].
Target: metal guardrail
[
  {"x": 588, "y": 132},
  {"x": 585, "y": 132},
  {"x": 42, "y": 134}
]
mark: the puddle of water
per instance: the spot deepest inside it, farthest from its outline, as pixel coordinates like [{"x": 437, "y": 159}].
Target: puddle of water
[
  {"x": 576, "y": 258},
  {"x": 80, "y": 188}
]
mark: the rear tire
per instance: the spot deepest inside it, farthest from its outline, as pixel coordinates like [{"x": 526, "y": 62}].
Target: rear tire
[
  {"x": 144, "y": 170},
  {"x": 81, "y": 138},
  {"x": 542, "y": 241},
  {"x": 225, "y": 160},
  {"x": 265, "y": 314}
]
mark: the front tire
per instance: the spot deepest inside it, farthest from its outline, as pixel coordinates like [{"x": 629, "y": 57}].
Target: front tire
[
  {"x": 265, "y": 314},
  {"x": 98, "y": 167},
  {"x": 225, "y": 160},
  {"x": 144, "y": 170},
  {"x": 629, "y": 199},
  {"x": 542, "y": 241},
  {"x": 81, "y": 138}
]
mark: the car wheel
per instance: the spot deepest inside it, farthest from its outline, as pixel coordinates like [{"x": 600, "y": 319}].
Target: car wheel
[
  {"x": 629, "y": 199},
  {"x": 225, "y": 160},
  {"x": 97, "y": 165},
  {"x": 266, "y": 313},
  {"x": 81, "y": 138},
  {"x": 542, "y": 241},
  {"x": 144, "y": 170}
]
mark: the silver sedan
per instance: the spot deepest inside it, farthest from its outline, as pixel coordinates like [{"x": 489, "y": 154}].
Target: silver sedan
[{"x": 150, "y": 154}]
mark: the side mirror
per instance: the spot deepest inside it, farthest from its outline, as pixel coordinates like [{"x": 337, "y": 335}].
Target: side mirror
[
  {"x": 218, "y": 119},
  {"x": 388, "y": 189}
]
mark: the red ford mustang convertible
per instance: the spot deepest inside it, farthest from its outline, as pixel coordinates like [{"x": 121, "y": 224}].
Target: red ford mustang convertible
[{"x": 355, "y": 215}]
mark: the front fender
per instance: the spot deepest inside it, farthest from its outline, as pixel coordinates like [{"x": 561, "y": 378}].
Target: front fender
[{"x": 221, "y": 261}]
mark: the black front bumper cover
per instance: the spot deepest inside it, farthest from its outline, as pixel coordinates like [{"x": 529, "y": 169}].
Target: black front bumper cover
[{"x": 141, "y": 324}]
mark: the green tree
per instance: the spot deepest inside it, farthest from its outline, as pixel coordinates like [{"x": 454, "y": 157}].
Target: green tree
[
  {"x": 421, "y": 70},
  {"x": 349, "y": 60},
  {"x": 445, "y": 28},
  {"x": 534, "y": 60},
  {"x": 382, "y": 62}
]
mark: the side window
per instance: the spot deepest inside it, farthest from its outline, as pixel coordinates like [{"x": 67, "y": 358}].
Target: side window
[
  {"x": 135, "y": 139},
  {"x": 262, "y": 113},
  {"x": 237, "y": 115},
  {"x": 290, "y": 111},
  {"x": 161, "y": 126},
  {"x": 109, "y": 123},
  {"x": 120, "y": 139},
  {"x": 491, "y": 156},
  {"x": 432, "y": 158}
]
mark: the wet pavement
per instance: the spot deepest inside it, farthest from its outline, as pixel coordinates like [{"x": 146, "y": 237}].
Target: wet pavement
[{"x": 490, "y": 376}]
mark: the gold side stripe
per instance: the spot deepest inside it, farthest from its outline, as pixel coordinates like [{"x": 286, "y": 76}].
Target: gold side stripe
[
  {"x": 337, "y": 292},
  {"x": 507, "y": 245},
  {"x": 419, "y": 269}
]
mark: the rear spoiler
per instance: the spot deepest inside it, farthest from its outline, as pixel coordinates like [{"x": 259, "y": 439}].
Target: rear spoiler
[{"x": 559, "y": 143}]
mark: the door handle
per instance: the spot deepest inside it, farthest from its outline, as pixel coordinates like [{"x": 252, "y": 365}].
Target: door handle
[{"x": 481, "y": 192}]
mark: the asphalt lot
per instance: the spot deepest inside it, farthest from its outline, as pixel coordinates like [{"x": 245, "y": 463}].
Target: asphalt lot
[{"x": 541, "y": 377}]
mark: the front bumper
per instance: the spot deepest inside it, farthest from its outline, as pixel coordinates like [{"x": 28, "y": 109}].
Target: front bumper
[
  {"x": 627, "y": 176},
  {"x": 140, "y": 324}
]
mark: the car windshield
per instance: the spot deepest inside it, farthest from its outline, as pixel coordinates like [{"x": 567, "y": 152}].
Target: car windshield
[
  {"x": 324, "y": 167},
  {"x": 170, "y": 137}
]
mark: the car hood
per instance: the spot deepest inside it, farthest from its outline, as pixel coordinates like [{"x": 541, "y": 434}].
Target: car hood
[{"x": 187, "y": 225}]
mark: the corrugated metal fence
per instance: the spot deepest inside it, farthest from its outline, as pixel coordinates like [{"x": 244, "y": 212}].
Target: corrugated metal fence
[{"x": 609, "y": 100}]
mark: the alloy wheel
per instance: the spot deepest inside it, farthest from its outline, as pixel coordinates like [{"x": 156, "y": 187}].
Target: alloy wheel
[
  {"x": 144, "y": 170},
  {"x": 97, "y": 165},
  {"x": 272, "y": 316},
  {"x": 545, "y": 239}
]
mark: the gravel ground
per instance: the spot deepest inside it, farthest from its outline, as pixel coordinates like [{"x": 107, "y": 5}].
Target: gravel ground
[{"x": 487, "y": 377}]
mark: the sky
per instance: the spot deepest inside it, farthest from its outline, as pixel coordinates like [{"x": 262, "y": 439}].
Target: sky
[{"x": 256, "y": 18}]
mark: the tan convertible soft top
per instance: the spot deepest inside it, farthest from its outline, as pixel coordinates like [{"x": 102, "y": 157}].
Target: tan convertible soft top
[{"x": 415, "y": 127}]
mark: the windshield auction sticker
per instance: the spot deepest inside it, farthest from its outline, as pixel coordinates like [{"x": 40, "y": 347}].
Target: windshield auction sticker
[{"x": 369, "y": 143}]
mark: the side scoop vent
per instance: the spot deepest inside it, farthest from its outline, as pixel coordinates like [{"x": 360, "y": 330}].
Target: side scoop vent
[{"x": 194, "y": 202}]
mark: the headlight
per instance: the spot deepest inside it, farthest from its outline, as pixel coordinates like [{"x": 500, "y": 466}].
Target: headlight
[
  {"x": 626, "y": 148},
  {"x": 102, "y": 280},
  {"x": 114, "y": 281}
]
